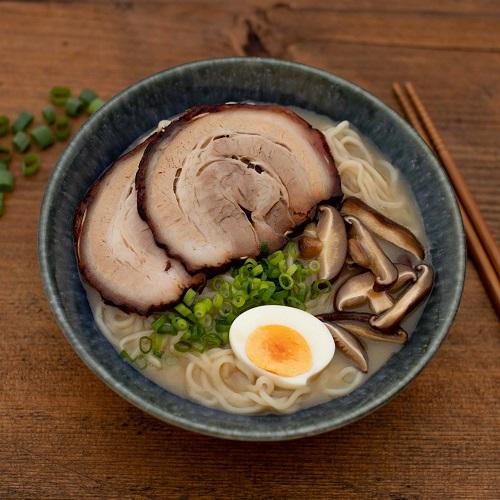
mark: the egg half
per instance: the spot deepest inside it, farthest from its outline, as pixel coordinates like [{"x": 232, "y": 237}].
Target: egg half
[{"x": 286, "y": 344}]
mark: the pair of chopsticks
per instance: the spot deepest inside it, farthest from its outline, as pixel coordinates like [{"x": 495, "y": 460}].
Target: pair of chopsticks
[{"x": 482, "y": 246}]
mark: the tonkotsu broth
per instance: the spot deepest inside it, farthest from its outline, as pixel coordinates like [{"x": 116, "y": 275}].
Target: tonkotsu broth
[{"x": 176, "y": 371}]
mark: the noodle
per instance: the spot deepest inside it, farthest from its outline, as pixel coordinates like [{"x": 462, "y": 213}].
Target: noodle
[{"x": 216, "y": 378}]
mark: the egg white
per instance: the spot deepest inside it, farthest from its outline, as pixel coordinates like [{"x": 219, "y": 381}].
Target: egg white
[{"x": 314, "y": 332}]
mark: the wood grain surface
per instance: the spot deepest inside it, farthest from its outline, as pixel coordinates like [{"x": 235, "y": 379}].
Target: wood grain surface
[{"x": 64, "y": 434}]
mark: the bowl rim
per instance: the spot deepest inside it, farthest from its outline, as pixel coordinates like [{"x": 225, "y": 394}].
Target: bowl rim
[{"x": 316, "y": 427}]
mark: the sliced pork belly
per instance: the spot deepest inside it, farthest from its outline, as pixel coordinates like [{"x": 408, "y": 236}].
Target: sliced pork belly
[
  {"x": 116, "y": 251},
  {"x": 221, "y": 180}
]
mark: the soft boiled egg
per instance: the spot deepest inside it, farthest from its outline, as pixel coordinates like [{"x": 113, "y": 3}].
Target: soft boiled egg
[{"x": 286, "y": 344}]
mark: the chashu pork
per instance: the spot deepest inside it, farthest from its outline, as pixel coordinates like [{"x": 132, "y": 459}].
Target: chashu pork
[
  {"x": 115, "y": 248},
  {"x": 220, "y": 181}
]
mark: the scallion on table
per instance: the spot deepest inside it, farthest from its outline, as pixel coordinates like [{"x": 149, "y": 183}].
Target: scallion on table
[
  {"x": 30, "y": 165},
  {"x": 21, "y": 141},
  {"x": 23, "y": 120},
  {"x": 42, "y": 136}
]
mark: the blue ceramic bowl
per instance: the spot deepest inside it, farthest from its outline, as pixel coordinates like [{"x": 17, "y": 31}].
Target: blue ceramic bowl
[{"x": 139, "y": 108}]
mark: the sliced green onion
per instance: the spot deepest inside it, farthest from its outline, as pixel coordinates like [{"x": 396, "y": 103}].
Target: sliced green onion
[
  {"x": 6, "y": 181},
  {"x": 292, "y": 269},
  {"x": 238, "y": 300},
  {"x": 182, "y": 346},
  {"x": 258, "y": 269},
  {"x": 221, "y": 326},
  {"x": 95, "y": 106},
  {"x": 73, "y": 106},
  {"x": 125, "y": 355},
  {"x": 321, "y": 286},
  {"x": 295, "y": 302},
  {"x": 167, "y": 328},
  {"x": 217, "y": 301},
  {"x": 197, "y": 331},
  {"x": 21, "y": 141},
  {"x": 224, "y": 337},
  {"x": 200, "y": 310},
  {"x": 292, "y": 249},
  {"x": 23, "y": 120},
  {"x": 87, "y": 96},
  {"x": 314, "y": 266},
  {"x": 59, "y": 95},
  {"x": 2, "y": 204},
  {"x": 3, "y": 165},
  {"x": 183, "y": 310},
  {"x": 5, "y": 155},
  {"x": 156, "y": 344},
  {"x": 217, "y": 283},
  {"x": 213, "y": 340},
  {"x": 226, "y": 309},
  {"x": 198, "y": 346},
  {"x": 140, "y": 362},
  {"x": 62, "y": 128},
  {"x": 276, "y": 257},
  {"x": 180, "y": 324},
  {"x": 30, "y": 165},
  {"x": 157, "y": 323},
  {"x": 49, "y": 114},
  {"x": 42, "y": 136},
  {"x": 286, "y": 281},
  {"x": 145, "y": 344},
  {"x": 4, "y": 125},
  {"x": 189, "y": 297}
]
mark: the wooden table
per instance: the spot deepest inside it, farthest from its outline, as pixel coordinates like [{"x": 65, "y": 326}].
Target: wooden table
[{"x": 64, "y": 434}]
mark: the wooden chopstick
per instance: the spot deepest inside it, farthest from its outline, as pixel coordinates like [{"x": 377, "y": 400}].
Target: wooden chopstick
[
  {"x": 486, "y": 271},
  {"x": 463, "y": 193}
]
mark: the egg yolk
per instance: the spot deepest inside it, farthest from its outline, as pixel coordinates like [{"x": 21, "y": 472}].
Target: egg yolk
[{"x": 280, "y": 350}]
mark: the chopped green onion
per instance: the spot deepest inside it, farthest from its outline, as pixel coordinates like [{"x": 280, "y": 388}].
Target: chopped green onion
[
  {"x": 258, "y": 269},
  {"x": 321, "y": 286},
  {"x": 23, "y": 120},
  {"x": 30, "y": 165},
  {"x": 295, "y": 302},
  {"x": 21, "y": 141},
  {"x": 6, "y": 181},
  {"x": 198, "y": 346},
  {"x": 217, "y": 283},
  {"x": 3, "y": 165},
  {"x": 226, "y": 309},
  {"x": 286, "y": 281},
  {"x": 292, "y": 249},
  {"x": 213, "y": 340},
  {"x": 292, "y": 269},
  {"x": 125, "y": 355},
  {"x": 87, "y": 96},
  {"x": 314, "y": 266},
  {"x": 140, "y": 362},
  {"x": 197, "y": 331},
  {"x": 189, "y": 297},
  {"x": 157, "y": 323},
  {"x": 62, "y": 128},
  {"x": 221, "y": 326},
  {"x": 179, "y": 324},
  {"x": 95, "y": 106},
  {"x": 42, "y": 136},
  {"x": 224, "y": 337},
  {"x": 4, "y": 125},
  {"x": 2, "y": 204},
  {"x": 156, "y": 344},
  {"x": 5, "y": 155},
  {"x": 59, "y": 95},
  {"x": 276, "y": 257},
  {"x": 73, "y": 106},
  {"x": 217, "y": 300},
  {"x": 145, "y": 344},
  {"x": 182, "y": 346},
  {"x": 183, "y": 310},
  {"x": 49, "y": 114},
  {"x": 200, "y": 310},
  {"x": 238, "y": 300},
  {"x": 167, "y": 328}
]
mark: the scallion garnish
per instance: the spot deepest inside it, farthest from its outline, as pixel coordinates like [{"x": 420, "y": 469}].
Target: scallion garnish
[
  {"x": 49, "y": 114},
  {"x": 87, "y": 96},
  {"x": 21, "y": 141},
  {"x": 62, "y": 128},
  {"x": 23, "y": 120},
  {"x": 42, "y": 136},
  {"x": 6, "y": 181},
  {"x": 73, "y": 106},
  {"x": 59, "y": 95},
  {"x": 95, "y": 106},
  {"x": 5, "y": 155},
  {"x": 30, "y": 164},
  {"x": 145, "y": 344},
  {"x": 4, "y": 125}
]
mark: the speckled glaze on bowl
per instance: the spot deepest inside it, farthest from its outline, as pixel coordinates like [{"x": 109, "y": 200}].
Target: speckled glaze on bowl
[{"x": 135, "y": 111}]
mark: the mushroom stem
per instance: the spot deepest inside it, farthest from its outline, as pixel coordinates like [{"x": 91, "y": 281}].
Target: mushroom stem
[
  {"x": 382, "y": 226},
  {"x": 349, "y": 345},
  {"x": 366, "y": 252},
  {"x": 407, "y": 302},
  {"x": 332, "y": 233},
  {"x": 365, "y": 330}
]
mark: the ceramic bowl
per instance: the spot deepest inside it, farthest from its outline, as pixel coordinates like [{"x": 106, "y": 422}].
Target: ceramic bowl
[{"x": 138, "y": 109}]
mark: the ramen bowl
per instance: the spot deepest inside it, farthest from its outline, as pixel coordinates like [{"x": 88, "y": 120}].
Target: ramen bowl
[{"x": 138, "y": 109}]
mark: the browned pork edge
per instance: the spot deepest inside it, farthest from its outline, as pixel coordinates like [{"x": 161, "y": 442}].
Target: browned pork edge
[
  {"x": 317, "y": 139},
  {"x": 199, "y": 279}
]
